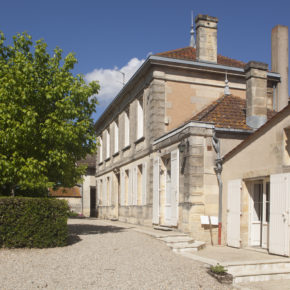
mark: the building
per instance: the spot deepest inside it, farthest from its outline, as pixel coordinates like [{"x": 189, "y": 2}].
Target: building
[
  {"x": 256, "y": 176},
  {"x": 163, "y": 136}
]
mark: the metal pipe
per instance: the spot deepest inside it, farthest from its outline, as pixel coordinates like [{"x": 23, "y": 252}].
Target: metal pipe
[{"x": 218, "y": 170}]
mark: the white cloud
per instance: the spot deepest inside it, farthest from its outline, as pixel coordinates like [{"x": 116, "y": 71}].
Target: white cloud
[{"x": 111, "y": 81}]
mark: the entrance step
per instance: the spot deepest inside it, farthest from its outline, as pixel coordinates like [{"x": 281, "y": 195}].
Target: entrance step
[
  {"x": 187, "y": 247},
  {"x": 177, "y": 239},
  {"x": 259, "y": 271},
  {"x": 162, "y": 228}
]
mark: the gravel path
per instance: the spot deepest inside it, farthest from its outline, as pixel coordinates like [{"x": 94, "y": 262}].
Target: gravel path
[{"x": 102, "y": 257}]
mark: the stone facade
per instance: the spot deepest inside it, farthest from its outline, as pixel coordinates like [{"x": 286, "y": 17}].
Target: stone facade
[{"x": 137, "y": 183}]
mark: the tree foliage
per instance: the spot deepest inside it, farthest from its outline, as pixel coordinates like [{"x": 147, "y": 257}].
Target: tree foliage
[{"x": 45, "y": 116}]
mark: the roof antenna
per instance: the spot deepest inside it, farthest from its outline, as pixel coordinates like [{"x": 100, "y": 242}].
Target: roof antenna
[
  {"x": 192, "y": 40},
  {"x": 227, "y": 88}
]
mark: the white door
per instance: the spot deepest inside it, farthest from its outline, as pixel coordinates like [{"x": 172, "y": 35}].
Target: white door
[
  {"x": 260, "y": 201},
  {"x": 234, "y": 213},
  {"x": 167, "y": 204},
  {"x": 279, "y": 214},
  {"x": 174, "y": 190},
  {"x": 156, "y": 186}
]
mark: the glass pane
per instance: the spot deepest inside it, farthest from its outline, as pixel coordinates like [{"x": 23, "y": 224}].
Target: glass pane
[
  {"x": 258, "y": 202},
  {"x": 267, "y": 201}
]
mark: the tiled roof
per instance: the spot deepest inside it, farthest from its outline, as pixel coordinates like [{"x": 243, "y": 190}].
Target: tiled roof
[
  {"x": 227, "y": 112},
  {"x": 65, "y": 192},
  {"x": 189, "y": 53},
  {"x": 90, "y": 161}
]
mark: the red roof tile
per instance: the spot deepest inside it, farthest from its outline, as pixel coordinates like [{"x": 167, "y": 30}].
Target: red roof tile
[
  {"x": 65, "y": 192},
  {"x": 189, "y": 53},
  {"x": 227, "y": 112}
]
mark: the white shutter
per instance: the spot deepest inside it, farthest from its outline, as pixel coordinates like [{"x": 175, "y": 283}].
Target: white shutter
[
  {"x": 101, "y": 150},
  {"x": 127, "y": 130},
  {"x": 156, "y": 172},
  {"x": 122, "y": 185},
  {"x": 140, "y": 118},
  {"x": 135, "y": 186},
  {"x": 174, "y": 190},
  {"x": 110, "y": 191},
  {"x": 108, "y": 144},
  {"x": 144, "y": 182},
  {"x": 279, "y": 214},
  {"x": 105, "y": 192},
  {"x": 130, "y": 187},
  {"x": 116, "y": 138},
  {"x": 234, "y": 213}
]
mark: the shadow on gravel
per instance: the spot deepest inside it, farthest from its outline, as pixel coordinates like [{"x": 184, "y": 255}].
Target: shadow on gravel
[
  {"x": 83, "y": 229},
  {"x": 93, "y": 229}
]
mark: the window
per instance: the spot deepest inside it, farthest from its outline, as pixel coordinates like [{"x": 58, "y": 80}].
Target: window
[
  {"x": 108, "y": 142},
  {"x": 100, "y": 149},
  {"x": 116, "y": 137},
  {"x": 127, "y": 129},
  {"x": 140, "y": 119}
]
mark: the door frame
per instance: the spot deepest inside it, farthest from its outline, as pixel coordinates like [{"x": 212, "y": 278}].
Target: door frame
[{"x": 263, "y": 210}]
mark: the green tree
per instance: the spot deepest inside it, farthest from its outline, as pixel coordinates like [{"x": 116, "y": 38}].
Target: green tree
[{"x": 45, "y": 116}]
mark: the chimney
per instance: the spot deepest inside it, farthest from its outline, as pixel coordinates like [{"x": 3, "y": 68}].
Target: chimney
[
  {"x": 206, "y": 38},
  {"x": 256, "y": 83},
  {"x": 280, "y": 62}
]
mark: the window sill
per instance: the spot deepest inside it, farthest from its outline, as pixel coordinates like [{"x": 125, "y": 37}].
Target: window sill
[
  {"x": 101, "y": 163},
  {"x": 126, "y": 148},
  {"x": 107, "y": 159},
  {"x": 115, "y": 154},
  {"x": 139, "y": 140}
]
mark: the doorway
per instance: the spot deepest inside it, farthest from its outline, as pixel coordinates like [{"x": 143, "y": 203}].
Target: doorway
[
  {"x": 93, "y": 199},
  {"x": 260, "y": 213}
]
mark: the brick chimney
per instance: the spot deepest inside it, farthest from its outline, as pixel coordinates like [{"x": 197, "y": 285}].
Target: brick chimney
[
  {"x": 280, "y": 61},
  {"x": 256, "y": 83},
  {"x": 206, "y": 38}
]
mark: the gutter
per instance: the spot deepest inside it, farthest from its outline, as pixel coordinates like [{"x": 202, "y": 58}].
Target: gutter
[{"x": 218, "y": 170}]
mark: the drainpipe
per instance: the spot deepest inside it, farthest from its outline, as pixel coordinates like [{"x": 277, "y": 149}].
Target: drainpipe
[{"x": 218, "y": 170}]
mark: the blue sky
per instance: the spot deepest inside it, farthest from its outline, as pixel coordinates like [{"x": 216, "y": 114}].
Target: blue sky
[{"x": 109, "y": 35}]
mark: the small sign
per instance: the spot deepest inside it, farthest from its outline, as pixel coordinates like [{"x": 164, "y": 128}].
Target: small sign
[{"x": 204, "y": 219}]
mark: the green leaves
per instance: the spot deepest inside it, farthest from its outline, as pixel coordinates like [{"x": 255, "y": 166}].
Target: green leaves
[{"x": 45, "y": 116}]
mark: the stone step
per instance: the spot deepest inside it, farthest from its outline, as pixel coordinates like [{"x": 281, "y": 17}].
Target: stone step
[
  {"x": 189, "y": 247},
  {"x": 163, "y": 228},
  {"x": 269, "y": 265},
  {"x": 256, "y": 276},
  {"x": 177, "y": 239}
]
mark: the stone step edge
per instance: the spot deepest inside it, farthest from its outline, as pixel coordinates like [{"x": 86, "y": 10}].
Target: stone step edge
[
  {"x": 260, "y": 273},
  {"x": 191, "y": 245},
  {"x": 259, "y": 262}
]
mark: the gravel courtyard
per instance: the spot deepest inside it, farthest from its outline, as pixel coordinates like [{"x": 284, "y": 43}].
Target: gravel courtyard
[{"x": 101, "y": 256}]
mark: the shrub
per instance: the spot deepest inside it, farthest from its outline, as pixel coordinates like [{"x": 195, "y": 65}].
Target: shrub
[
  {"x": 218, "y": 269},
  {"x": 33, "y": 222}
]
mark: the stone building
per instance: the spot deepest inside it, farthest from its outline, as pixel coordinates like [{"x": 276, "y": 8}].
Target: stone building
[
  {"x": 256, "y": 173},
  {"x": 163, "y": 136}
]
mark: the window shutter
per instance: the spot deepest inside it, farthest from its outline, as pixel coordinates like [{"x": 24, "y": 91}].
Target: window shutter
[
  {"x": 234, "y": 212},
  {"x": 135, "y": 186},
  {"x": 122, "y": 185},
  {"x": 105, "y": 192},
  {"x": 156, "y": 172},
  {"x": 130, "y": 187},
  {"x": 144, "y": 183},
  {"x": 174, "y": 184},
  {"x": 140, "y": 119}
]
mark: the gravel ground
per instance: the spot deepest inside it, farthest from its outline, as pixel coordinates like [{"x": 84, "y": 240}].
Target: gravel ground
[{"x": 101, "y": 256}]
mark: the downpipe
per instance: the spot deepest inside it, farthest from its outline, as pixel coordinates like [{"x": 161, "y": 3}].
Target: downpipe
[{"x": 218, "y": 170}]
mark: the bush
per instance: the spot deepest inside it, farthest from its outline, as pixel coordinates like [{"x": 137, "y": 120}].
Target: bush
[
  {"x": 33, "y": 222},
  {"x": 218, "y": 269}
]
